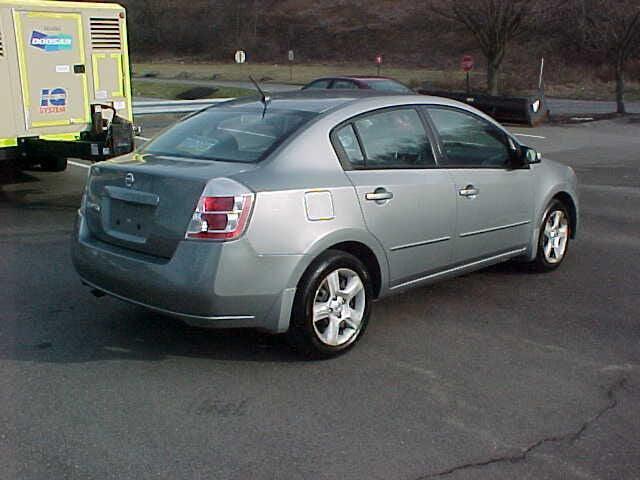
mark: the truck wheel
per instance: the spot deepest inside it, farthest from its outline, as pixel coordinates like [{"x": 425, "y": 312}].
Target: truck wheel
[
  {"x": 9, "y": 170},
  {"x": 54, "y": 164}
]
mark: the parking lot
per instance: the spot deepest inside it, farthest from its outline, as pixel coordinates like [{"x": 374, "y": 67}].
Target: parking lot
[{"x": 500, "y": 374}]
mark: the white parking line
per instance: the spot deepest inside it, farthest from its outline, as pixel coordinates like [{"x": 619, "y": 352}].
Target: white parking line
[
  {"x": 530, "y": 136},
  {"x": 144, "y": 139},
  {"x": 78, "y": 164}
]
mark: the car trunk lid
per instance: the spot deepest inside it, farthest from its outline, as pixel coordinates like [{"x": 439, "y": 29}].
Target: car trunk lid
[{"x": 145, "y": 203}]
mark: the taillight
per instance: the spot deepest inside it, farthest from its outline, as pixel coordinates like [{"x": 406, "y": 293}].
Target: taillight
[{"x": 220, "y": 217}]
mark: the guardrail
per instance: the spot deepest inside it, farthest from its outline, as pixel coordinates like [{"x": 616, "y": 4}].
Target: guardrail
[{"x": 160, "y": 107}]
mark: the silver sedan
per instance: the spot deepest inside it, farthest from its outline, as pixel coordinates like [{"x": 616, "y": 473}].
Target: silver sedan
[{"x": 292, "y": 214}]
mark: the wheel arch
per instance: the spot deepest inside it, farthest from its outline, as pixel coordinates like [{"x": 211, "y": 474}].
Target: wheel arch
[
  {"x": 567, "y": 200},
  {"x": 366, "y": 256},
  {"x": 359, "y": 243},
  {"x": 563, "y": 194}
]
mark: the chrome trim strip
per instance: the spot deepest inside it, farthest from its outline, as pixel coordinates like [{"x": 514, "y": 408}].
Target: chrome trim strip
[
  {"x": 494, "y": 229},
  {"x": 461, "y": 267},
  {"x": 162, "y": 310},
  {"x": 420, "y": 244}
]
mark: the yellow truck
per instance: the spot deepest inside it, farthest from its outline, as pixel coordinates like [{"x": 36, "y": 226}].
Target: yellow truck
[{"x": 65, "y": 88}]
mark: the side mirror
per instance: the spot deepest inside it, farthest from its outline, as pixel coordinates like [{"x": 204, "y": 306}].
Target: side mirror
[{"x": 530, "y": 155}]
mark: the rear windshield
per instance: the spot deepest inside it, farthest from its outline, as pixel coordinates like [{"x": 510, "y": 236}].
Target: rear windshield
[
  {"x": 389, "y": 86},
  {"x": 229, "y": 134}
]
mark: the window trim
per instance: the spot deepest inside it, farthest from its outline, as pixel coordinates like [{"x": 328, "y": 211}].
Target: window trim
[
  {"x": 425, "y": 110},
  {"x": 348, "y": 166},
  {"x": 339, "y": 148}
]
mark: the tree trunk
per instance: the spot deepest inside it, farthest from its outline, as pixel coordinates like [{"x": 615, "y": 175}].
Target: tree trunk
[
  {"x": 492, "y": 77},
  {"x": 620, "y": 89}
]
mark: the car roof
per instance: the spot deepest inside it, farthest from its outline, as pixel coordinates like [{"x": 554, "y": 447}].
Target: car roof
[
  {"x": 352, "y": 102},
  {"x": 315, "y": 101},
  {"x": 355, "y": 77}
]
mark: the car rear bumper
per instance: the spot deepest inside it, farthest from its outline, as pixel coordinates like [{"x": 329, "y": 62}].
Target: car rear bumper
[{"x": 209, "y": 284}]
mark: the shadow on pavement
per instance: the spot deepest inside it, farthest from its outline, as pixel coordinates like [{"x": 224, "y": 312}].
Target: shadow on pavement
[
  {"x": 132, "y": 333},
  {"x": 9, "y": 176},
  {"x": 89, "y": 330}
]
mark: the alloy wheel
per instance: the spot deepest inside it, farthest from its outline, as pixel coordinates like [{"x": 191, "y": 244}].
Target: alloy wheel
[
  {"x": 556, "y": 236},
  {"x": 338, "y": 308}
]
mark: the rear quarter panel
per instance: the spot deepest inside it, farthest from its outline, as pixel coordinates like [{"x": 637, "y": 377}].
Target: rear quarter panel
[{"x": 280, "y": 223}]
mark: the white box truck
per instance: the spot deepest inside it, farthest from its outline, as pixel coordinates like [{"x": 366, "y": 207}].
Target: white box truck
[{"x": 65, "y": 88}]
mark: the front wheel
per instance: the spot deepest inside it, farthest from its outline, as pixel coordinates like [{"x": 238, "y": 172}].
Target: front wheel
[
  {"x": 553, "y": 241},
  {"x": 332, "y": 306}
]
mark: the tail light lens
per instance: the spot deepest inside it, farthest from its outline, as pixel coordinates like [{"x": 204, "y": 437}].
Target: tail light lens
[{"x": 220, "y": 217}]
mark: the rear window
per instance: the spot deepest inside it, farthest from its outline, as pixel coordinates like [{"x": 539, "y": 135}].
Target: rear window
[
  {"x": 389, "y": 86},
  {"x": 229, "y": 134}
]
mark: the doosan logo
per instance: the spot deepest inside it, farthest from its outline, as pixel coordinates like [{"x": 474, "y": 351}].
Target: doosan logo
[{"x": 51, "y": 43}]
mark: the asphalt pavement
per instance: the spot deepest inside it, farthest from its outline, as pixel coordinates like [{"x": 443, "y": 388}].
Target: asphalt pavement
[{"x": 499, "y": 374}]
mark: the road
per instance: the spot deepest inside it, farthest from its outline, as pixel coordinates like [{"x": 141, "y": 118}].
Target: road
[
  {"x": 558, "y": 106},
  {"x": 499, "y": 374}
]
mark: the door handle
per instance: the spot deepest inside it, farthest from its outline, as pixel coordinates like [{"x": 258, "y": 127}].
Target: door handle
[
  {"x": 469, "y": 191},
  {"x": 379, "y": 195}
]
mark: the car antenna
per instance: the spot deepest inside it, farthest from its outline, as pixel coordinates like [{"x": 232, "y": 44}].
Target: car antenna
[{"x": 265, "y": 98}]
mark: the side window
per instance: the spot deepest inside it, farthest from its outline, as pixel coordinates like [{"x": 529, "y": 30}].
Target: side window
[
  {"x": 348, "y": 142},
  {"x": 318, "y": 84},
  {"x": 395, "y": 139},
  {"x": 344, "y": 84},
  {"x": 469, "y": 141}
]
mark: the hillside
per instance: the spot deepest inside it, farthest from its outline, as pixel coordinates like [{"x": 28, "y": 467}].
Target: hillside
[{"x": 405, "y": 32}]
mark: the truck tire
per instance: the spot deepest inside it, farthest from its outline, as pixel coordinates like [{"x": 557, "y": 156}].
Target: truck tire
[{"x": 54, "y": 164}]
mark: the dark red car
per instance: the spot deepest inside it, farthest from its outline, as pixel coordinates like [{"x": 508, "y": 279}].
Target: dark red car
[{"x": 359, "y": 82}]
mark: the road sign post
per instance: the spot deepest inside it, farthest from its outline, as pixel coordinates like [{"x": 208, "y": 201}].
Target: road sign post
[
  {"x": 292, "y": 58},
  {"x": 467, "y": 66},
  {"x": 378, "y": 63},
  {"x": 541, "y": 77}
]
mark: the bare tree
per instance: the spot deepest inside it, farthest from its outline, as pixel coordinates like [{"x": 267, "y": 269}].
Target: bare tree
[
  {"x": 608, "y": 31},
  {"x": 493, "y": 23}
]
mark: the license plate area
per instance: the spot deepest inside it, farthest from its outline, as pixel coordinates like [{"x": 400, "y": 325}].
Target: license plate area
[{"x": 130, "y": 221}]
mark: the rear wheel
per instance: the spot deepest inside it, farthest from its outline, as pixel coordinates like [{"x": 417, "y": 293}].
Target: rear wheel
[
  {"x": 332, "y": 306},
  {"x": 553, "y": 242},
  {"x": 54, "y": 164}
]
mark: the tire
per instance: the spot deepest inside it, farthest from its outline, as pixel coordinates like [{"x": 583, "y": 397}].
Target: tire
[
  {"x": 9, "y": 170},
  {"x": 554, "y": 238},
  {"x": 340, "y": 318},
  {"x": 53, "y": 164}
]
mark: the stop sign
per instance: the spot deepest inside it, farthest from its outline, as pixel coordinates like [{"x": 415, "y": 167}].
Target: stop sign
[{"x": 467, "y": 63}]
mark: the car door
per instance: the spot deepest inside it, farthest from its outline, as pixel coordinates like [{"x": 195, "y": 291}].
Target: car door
[
  {"x": 494, "y": 200},
  {"x": 407, "y": 202}
]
